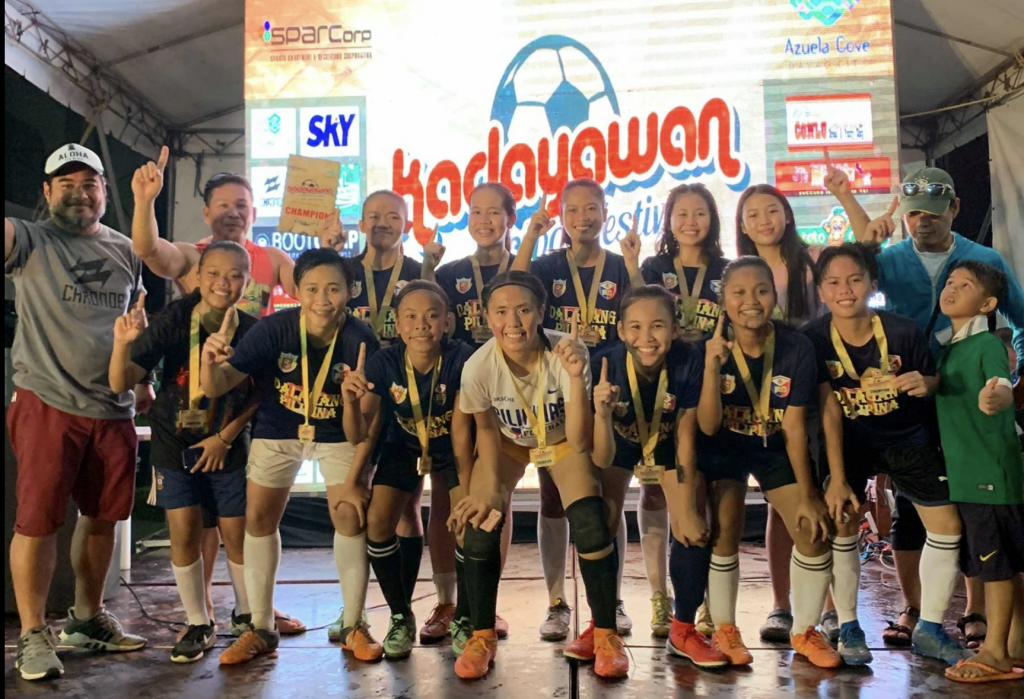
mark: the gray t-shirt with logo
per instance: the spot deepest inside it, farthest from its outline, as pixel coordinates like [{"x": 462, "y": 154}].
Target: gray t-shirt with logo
[{"x": 69, "y": 291}]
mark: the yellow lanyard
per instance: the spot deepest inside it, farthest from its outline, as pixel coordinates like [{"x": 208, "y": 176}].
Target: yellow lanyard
[
  {"x": 325, "y": 367},
  {"x": 880, "y": 338},
  {"x": 760, "y": 401},
  {"x": 478, "y": 277},
  {"x": 376, "y": 316},
  {"x": 648, "y": 439},
  {"x": 422, "y": 426},
  {"x": 538, "y": 422},
  {"x": 195, "y": 391},
  {"x": 588, "y": 302},
  {"x": 690, "y": 296}
]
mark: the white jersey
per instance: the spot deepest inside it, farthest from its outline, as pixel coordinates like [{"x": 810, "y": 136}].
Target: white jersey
[{"x": 487, "y": 384}]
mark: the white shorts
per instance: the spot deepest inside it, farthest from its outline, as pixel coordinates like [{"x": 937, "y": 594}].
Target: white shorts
[{"x": 273, "y": 463}]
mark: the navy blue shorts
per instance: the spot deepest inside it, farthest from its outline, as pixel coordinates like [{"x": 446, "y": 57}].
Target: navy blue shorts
[
  {"x": 221, "y": 494},
  {"x": 991, "y": 548},
  {"x": 397, "y": 469},
  {"x": 771, "y": 470}
]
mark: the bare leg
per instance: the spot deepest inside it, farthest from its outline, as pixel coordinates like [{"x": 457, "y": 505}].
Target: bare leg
[
  {"x": 210, "y": 548},
  {"x": 999, "y": 608},
  {"x": 92, "y": 549},
  {"x": 780, "y": 550},
  {"x": 33, "y": 560}
]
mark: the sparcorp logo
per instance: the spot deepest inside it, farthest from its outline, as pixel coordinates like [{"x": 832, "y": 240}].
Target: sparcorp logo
[
  {"x": 315, "y": 35},
  {"x": 331, "y": 132}
]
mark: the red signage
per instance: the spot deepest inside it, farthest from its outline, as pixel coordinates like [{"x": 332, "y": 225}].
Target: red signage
[{"x": 804, "y": 177}]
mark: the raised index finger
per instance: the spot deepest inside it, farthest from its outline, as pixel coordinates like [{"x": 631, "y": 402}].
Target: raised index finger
[
  {"x": 140, "y": 304},
  {"x": 225, "y": 324},
  {"x": 165, "y": 154},
  {"x": 828, "y": 160},
  {"x": 720, "y": 326},
  {"x": 544, "y": 202},
  {"x": 433, "y": 235},
  {"x": 604, "y": 370},
  {"x": 891, "y": 211},
  {"x": 362, "y": 356}
]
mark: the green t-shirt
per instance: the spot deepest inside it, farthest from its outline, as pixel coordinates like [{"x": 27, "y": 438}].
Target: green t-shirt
[{"x": 983, "y": 457}]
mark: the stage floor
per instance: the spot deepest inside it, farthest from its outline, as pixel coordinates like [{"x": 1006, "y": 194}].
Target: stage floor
[{"x": 309, "y": 666}]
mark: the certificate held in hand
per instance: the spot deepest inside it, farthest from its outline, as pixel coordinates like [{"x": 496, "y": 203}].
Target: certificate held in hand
[{"x": 311, "y": 189}]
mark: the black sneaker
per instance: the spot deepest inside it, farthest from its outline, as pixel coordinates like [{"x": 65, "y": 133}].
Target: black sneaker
[
  {"x": 102, "y": 632},
  {"x": 240, "y": 623},
  {"x": 191, "y": 647}
]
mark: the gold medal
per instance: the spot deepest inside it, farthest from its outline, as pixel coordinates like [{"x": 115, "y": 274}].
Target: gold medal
[
  {"x": 878, "y": 383},
  {"x": 691, "y": 296},
  {"x": 648, "y": 474},
  {"x": 379, "y": 313},
  {"x": 649, "y": 436},
  {"x": 424, "y": 462},
  {"x": 588, "y": 335}
]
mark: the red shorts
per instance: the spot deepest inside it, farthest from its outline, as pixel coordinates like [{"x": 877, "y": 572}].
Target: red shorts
[{"x": 61, "y": 455}]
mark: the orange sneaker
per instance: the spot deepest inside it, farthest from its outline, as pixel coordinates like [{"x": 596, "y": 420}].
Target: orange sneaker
[
  {"x": 476, "y": 660},
  {"x": 813, "y": 646},
  {"x": 287, "y": 625},
  {"x": 436, "y": 628},
  {"x": 249, "y": 646},
  {"x": 610, "y": 661},
  {"x": 686, "y": 642},
  {"x": 361, "y": 645},
  {"x": 727, "y": 640},
  {"x": 582, "y": 648},
  {"x": 500, "y": 627}
]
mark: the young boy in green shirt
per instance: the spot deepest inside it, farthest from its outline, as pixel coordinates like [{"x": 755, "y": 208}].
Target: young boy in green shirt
[{"x": 984, "y": 464}]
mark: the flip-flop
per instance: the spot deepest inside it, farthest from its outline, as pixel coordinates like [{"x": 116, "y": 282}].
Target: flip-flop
[
  {"x": 289, "y": 626},
  {"x": 991, "y": 674}
]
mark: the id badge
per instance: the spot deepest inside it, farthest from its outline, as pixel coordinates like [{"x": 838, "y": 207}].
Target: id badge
[
  {"x": 879, "y": 388},
  {"x": 649, "y": 474},
  {"x": 690, "y": 334},
  {"x": 423, "y": 465},
  {"x": 589, "y": 336},
  {"x": 491, "y": 522},
  {"x": 482, "y": 333},
  {"x": 192, "y": 419},
  {"x": 543, "y": 457},
  {"x": 307, "y": 434}
]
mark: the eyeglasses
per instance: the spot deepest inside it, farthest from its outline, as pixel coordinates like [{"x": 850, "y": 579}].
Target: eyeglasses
[{"x": 932, "y": 189}]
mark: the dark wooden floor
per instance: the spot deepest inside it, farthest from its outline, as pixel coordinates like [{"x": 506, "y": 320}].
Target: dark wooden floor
[{"x": 309, "y": 667}]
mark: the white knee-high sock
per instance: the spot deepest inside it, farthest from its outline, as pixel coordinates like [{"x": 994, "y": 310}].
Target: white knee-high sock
[
  {"x": 811, "y": 576},
  {"x": 845, "y": 576},
  {"x": 236, "y": 571},
  {"x": 621, "y": 541},
  {"x": 553, "y": 541},
  {"x": 654, "y": 543},
  {"x": 192, "y": 589},
  {"x": 724, "y": 588},
  {"x": 354, "y": 573},
  {"x": 262, "y": 558},
  {"x": 444, "y": 583},
  {"x": 939, "y": 571}
]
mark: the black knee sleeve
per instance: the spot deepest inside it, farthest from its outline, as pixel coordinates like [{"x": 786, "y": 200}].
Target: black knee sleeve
[
  {"x": 588, "y": 520},
  {"x": 481, "y": 545}
]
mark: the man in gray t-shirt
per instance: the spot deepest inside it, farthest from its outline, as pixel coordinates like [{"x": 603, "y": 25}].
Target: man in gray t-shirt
[{"x": 71, "y": 435}]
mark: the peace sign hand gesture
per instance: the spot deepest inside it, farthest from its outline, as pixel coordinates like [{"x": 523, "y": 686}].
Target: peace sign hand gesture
[
  {"x": 606, "y": 395},
  {"x": 148, "y": 181},
  {"x": 355, "y": 385}
]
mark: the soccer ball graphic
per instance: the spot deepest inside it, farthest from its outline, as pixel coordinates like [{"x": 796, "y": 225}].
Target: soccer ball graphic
[{"x": 553, "y": 82}]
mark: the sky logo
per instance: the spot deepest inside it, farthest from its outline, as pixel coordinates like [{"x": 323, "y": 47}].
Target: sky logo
[{"x": 330, "y": 132}]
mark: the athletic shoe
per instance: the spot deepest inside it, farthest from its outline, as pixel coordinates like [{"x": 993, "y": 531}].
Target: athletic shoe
[
  {"x": 399, "y": 640},
  {"x": 500, "y": 627},
  {"x": 251, "y": 645},
  {"x": 477, "y": 658},
  {"x": 728, "y": 641},
  {"x": 686, "y": 642},
  {"x": 194, "y": 644},
  {"x": 37, "y": 655},
  {"x": 705, "y": 624},
  {"x": 556, "y": 626},
  {"x": 931, "y": 641},
  {"x": 813, "y": 646},
  {"x": 582, "y": 648},
  {"x": 610, "y": 661},
  {"x": 361, "y": 644},
  {"x": 336, "y": 631},
  {"x": 829, "y": 625},
  {"x": 623, "y": 624},
  {"x": 102, "y": 632},
  {"x": 853, "y": 646},
  {"x": 436, "y": 628},
  {"x": 288, "y": 625},
  {"x": 461, "y": 630},
  {"x": 240, "y": 623},
  {"x": 661, "y": 615},
  {"x": 778, "y": 627}
]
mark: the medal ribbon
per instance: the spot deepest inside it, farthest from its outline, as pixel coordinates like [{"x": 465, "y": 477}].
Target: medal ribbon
[
  {"x": 321, "y": 378},
  {"x": 648, "y": 439}
]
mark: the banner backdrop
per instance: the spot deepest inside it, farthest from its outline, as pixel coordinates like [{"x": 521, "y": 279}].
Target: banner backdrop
[
  {"x": 431, "y": 98},
  {"x": 1006, "y": 164}
]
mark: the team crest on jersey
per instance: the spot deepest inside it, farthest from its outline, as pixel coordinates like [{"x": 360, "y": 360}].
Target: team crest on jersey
[
  {"x": 463, "y": 285},
  {"x": 895, "y": 363},
  {"x": 835, "y": 369},
  {"x": 781, "y": 386},
  {"x": 727, "y": 384},
  {"x": 621, "y": 409},
  {"x": 557, "y": 288},
  {"x": 608, "y": 290},
  {"x": 441, "y": 394},
  {"x": 716, "y": 286},
  {"x": 356, "y": 289},
  {"x": 287, "y": 362},
  {"x": 398, "y": 393},
  {"x": 669, "y": 280},
  {"x": 670, "y": 403},
  {"x": 339, "y": 372}
]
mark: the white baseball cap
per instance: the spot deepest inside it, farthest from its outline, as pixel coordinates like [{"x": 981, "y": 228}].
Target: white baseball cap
[{"x": 73, "y": 153}]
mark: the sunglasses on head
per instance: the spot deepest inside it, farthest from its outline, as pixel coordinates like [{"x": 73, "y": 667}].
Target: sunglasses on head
[{"x": 932, "y": 189}]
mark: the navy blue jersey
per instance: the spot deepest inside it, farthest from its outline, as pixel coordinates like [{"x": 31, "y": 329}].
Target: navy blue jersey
[
  {"x": 167, "y": 339},
  {"x": 794, "y": 383},
  {"x": 359, "y": 304},
  {"x": 456, "y": 278},
  {"x": 553, "y": 270},
  {"x": 685, "y": 373},
  {"x": 271, "y": 354},
  {"x": 661, "y": 270},
  {"x": 896, "y": 420},
  {"x": 386, "y": 371}
]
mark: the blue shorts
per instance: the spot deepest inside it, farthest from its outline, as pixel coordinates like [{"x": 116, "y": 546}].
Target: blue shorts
[
  {"x": 397, "y": 469},
  {"x": 221, "y": 494},
  {"x": 771, "y": 470}
]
